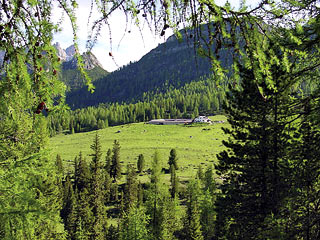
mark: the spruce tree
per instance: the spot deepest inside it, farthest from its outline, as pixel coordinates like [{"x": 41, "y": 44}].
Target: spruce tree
[
  {"x": 115, "y": 164},
  {"x": 253, "y": 167},
  {"x": 108, "y": 162},
  {"x": 82, "y": 175},
  {"x": 59, "y": 165},
  {"x": 134, "y": 224},
  {"x": 113, "y": 233},
  {"x": 173, "y": 159},
  {"x": 85, "y": 217},
  {"x": 154, "y": 197},
  {"x": 140, "y": 194},
  {"x": 159, "y": 204},
  {"x": 140, "y": 163},
  {"x": 300, "y": 214},
  {"x": 193, "y": 228},
  {"x": 208, "y": 181},
  {"x": 68, "y": 213},
  {"x": 107, "y": 175},
  {"x": 59, "y": 169},
  {"x": 174, "y": 182},
  {"x": 131, "y": 187},
  {"x": 200, "y": 174},
  {"x": 207, "y": 204},
  {"x": 97, "y": 193}
]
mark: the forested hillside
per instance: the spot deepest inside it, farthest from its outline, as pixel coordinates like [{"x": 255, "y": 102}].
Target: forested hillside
[
  {"x": 172, "y": 64},
  {"x": 200, "y": 97},
  {"x": 70, "y": 73}
]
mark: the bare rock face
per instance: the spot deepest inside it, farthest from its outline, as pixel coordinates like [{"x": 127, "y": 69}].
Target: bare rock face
[
  {"x": 90, "y": 61},
  {"x": 60, "y": 52},
  {"x": 69, "y": 60},
  {"x": 70, "y": 51},
  {"x": 2, "y": 53}
]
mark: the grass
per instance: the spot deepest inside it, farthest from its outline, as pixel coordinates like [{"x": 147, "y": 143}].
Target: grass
[{"x": 195, "y": 144}]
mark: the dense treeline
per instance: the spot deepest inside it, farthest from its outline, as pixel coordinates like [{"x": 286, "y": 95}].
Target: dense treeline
[
  {"x": 98, "y": 204},
  {"x": 202, "y": 97}
]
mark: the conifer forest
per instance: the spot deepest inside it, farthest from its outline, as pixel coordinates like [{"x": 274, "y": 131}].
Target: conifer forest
[{"x": 264, "y": 62}]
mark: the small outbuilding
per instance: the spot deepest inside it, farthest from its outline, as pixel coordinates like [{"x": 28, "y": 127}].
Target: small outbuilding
[
  {"x": 170, "y": 121},
  {"x": 202, "y": 119}
]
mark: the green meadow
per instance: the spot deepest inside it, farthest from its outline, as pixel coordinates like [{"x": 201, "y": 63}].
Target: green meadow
[{"x": 195, "y": 144}]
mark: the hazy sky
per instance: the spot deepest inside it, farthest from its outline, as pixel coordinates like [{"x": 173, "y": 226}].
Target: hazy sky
[{"x": 132, "y": 46}]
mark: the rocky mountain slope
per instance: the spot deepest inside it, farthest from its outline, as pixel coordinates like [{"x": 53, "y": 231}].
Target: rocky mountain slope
[{"x": 70, "y": 74}]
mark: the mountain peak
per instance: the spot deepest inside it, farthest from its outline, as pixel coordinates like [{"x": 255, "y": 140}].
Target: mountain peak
[
  {"x": 65, "y": 54},
  {"x": 70, "y": 51},
  {"x": 70, "y": 62}
]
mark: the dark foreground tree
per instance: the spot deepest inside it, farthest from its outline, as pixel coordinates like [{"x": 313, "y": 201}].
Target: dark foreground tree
[
  {"x": 299, "y": 216},
  {"x": 254, "y": 167}
]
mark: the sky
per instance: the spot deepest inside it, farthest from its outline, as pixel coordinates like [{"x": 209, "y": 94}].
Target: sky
[{"x": 132, "y": 46}]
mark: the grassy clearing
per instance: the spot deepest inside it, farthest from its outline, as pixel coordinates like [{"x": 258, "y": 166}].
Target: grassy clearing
[{"x": 195, "y": 144}]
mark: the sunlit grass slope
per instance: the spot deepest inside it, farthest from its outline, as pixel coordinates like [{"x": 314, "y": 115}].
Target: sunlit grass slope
[{"x": 195, "y": 144}]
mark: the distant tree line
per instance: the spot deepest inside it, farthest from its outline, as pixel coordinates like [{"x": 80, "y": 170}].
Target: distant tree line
[{"x": 202, "y": 97}]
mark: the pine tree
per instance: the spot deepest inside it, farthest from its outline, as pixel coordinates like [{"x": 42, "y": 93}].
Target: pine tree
[
  {"x": 82, "y": 174},
  {"x": 159, "y": 204},
  {"x": 299, "y": 214},
  {"x": 134, "y": 224},
  {"x": 113, "y": 233},
  {"x": 97, "y": 190},
  {"x": 68, "y": 213},
  {"x": 140, "y": 195},
  {"x": 173, "y": 159},
  {"x": 174, "y": 182},
  {"x": 131, "y": 187},
  {"x": 85, "y": 217},
  {"x": 200, "y": 174},
  {"x": 140, "y": 163},
  {"x": 209, "y": 182},
  {"x": 108, "y": 162},
  {"x": 192, "y": 222},
  {"x": 116, "y": 165},
  {"x": 253, "y": 168}
]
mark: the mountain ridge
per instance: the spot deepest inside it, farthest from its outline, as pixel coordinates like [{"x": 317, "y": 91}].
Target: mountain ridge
[
  {"x": 70, "y": 74},
  {"x": 171, "y": 64}
]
